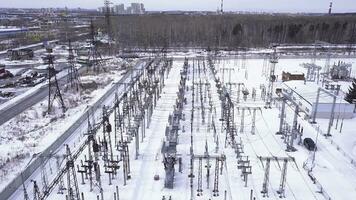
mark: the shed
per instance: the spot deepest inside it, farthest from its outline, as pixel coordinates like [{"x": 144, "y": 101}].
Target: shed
[{"x": 289, "y": 76}]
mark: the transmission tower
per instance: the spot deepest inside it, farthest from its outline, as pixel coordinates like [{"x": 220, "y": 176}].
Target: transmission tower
[
  {"x": 330, "y": 7},
  {"x": 94, "y": 58},
  {"x": 272, "y": 76},
  {"x": 44, "y": 177},
  {"x": 36, "y": 191},
  {"x": 25, "y": 194},
  {"x": 72, "y": 183},
  {"x": 73, "y": 74},
  {"x": 66, "y": 23},
  {"x": 54, "y": 93},
  {"x": 61, "y": 187},
  {"x": 108, "y": 23}
]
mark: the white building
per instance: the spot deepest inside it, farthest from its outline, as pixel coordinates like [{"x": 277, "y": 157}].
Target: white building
[
  {"x": 137, "y": 8},
  {"x": 129, "y": 10},
  {"x": 101, "y": 9},
  {"x": 305, "y": 95},
  {"x": 119, "y": 9}
]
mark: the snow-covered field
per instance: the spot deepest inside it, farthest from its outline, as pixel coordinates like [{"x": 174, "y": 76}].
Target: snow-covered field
[
  {"x": 333, "y": 174},
  {"x": 33, "y": 130}
]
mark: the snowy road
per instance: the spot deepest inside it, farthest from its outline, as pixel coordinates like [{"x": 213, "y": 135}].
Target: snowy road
[
  {"x": 73, "y": 136},
  {"x": 23, "y": 102}
]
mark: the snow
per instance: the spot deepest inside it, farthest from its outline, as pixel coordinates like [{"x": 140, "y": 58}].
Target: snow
[
  {"x": 32, "y": 131},
  {"x": 16, "y": 71},
  {"x": 309, "y": 90},
  {"x": 334, "y": 169}
]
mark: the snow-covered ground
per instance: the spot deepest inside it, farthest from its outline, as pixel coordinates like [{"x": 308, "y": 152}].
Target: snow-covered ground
[
  {"x": 333, "y": 169},
  {"x": 335, "y": 175},
  {"x": 33, "y": 130}
]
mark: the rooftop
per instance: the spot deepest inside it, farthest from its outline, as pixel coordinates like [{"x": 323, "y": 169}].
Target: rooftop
[{"x": 307, "y": 91}]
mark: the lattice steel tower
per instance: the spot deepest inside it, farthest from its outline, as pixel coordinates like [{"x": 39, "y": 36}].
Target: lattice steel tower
[{"x": 54, "y": 93}]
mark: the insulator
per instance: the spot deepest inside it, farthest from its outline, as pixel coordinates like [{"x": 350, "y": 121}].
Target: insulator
[
  {"x": 108, "y": 128},
  {"x": 96, "y": 147}
]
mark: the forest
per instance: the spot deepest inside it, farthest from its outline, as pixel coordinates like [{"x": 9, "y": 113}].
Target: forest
[{"x": 229, "y": 30}]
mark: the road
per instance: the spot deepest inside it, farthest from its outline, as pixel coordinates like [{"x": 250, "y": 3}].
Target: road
[
  {"x": 13, "y": 109},
  {"x": 71, "y": 136}
]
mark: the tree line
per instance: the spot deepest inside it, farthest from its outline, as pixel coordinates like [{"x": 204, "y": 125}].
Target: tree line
[{"x": 229, "y": 30}]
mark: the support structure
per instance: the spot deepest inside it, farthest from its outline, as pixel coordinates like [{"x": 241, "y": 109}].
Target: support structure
[
  {"x": 252, "y": 111},
  {"x": 94, "y": 57},
  {"x": 54, "y": 92},
  {"x": 289, "y": 137},
  {"x": 272, "y": 77},
  {"x": 244, "y": 164},
  {"x": 267, "y": 167},
  {"x": 99, "y": 159},
  {"x": 169, "y": 147},
  {"x": 72, "y": 183},
  {"x": 313, "y": 71},
  {"x": 315, "y": 110},
  {"x": 73, "y": 74}
]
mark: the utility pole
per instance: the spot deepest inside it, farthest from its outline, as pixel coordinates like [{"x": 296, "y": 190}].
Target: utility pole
[{"x": 36, "y": 191}]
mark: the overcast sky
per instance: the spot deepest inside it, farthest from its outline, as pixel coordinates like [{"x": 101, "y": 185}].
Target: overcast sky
[{"x": 212, "y": 5}]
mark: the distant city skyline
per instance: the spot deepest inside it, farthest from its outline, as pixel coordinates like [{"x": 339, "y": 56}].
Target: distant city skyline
[{"x": 199, "y": 5}]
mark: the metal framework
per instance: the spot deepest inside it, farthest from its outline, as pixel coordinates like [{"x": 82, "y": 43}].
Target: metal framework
[{"x": 54, "y": 92}]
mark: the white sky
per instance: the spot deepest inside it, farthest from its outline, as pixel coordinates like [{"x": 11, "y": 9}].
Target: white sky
[{"x": 212, "y": 5}]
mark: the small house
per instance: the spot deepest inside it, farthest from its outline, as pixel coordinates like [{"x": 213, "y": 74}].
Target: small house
[{"x": 290, "y": 76}]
